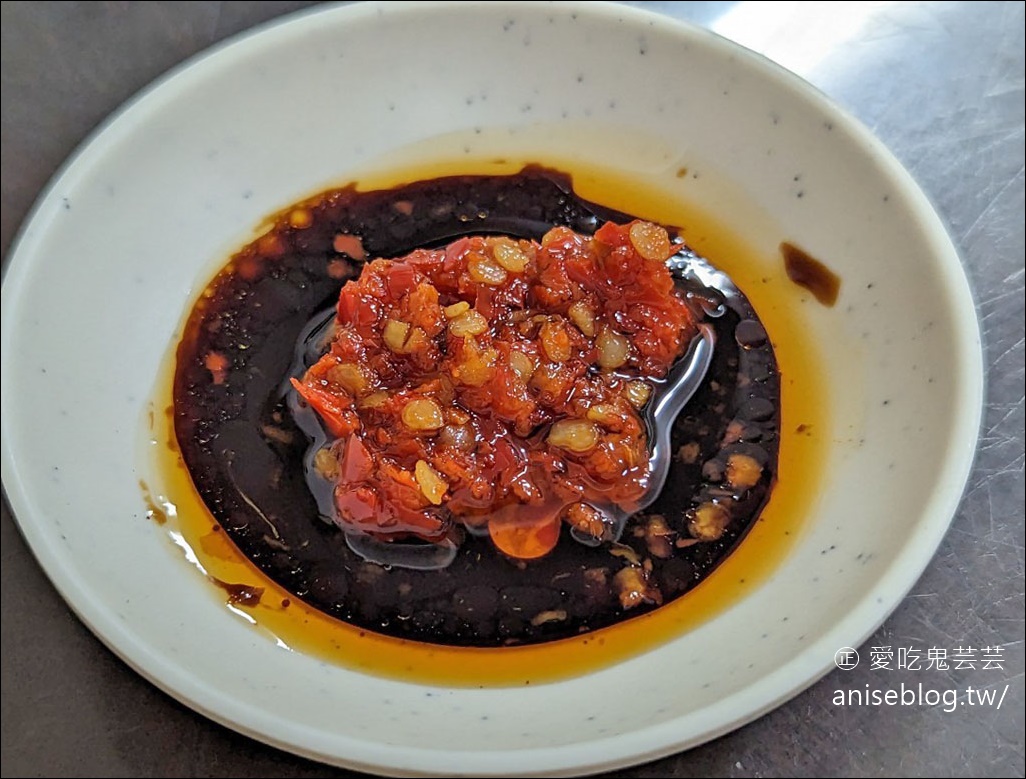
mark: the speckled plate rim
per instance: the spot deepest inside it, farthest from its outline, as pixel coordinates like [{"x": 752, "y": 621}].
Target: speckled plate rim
[{"x": 647, "y": 743}]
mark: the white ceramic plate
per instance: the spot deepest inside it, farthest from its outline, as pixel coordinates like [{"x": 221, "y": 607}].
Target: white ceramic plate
[{"x": 105, "y": 266}]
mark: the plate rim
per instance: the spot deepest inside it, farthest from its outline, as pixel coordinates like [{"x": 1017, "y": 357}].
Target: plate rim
[{"x": 642, "y": 745}]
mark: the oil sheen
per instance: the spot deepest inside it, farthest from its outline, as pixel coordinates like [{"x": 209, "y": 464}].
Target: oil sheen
[{"x": 381, "y": 638}]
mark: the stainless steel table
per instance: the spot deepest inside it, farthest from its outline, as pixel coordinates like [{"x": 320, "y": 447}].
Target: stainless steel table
[{"x": 940, "y": 83}]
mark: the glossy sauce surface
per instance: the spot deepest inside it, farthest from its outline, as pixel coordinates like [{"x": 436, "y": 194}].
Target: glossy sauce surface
[
  {"x": 479, "y": 597},
  {"x": 808, "y": 272}
]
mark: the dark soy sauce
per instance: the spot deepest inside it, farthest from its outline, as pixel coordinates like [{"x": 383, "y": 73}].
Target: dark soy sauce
[{"x": 244, "y": 448}]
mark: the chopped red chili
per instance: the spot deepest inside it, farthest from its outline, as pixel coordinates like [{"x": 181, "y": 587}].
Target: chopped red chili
[{"x": 496, "y": 383}]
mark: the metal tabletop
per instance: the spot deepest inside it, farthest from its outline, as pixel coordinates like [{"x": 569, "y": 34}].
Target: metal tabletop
[{"x": 942, "y": 84}]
